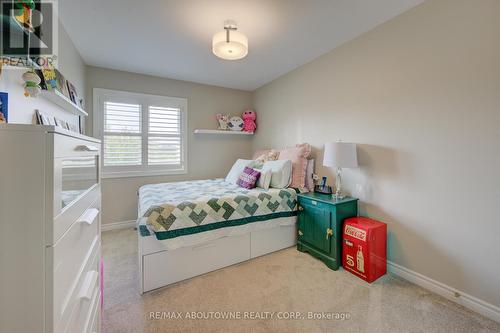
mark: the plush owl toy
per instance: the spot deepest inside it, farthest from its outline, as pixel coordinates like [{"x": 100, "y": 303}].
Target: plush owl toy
[
  {"x": 235, "y": 123},
  {"x": 249, "y": 118}
]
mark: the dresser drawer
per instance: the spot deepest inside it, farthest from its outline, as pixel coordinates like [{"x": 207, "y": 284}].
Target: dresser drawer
[
  {"x": 95, "y": 321},
  {"x": 69, "y": 254},
  {"x": 85, "y": 313},
  {"x": 70, "y": 308},
  {"x": 75, "y": 182},
  {"x": 65, "y": 220},
  {"x": 66, "y": 146}
]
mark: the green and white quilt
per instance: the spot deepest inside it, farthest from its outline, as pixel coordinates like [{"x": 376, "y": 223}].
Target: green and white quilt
[{"x": 184, "y": 208}]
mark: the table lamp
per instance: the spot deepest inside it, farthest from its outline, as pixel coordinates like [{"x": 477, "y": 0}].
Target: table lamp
[{"x": 340, "y": 155}]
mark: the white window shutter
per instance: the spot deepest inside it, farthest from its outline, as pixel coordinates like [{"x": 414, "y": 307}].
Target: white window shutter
[
  {"x": 164, "y": 136},
  {"x": 122, "y": 134},
  {"x": 143, "y": 135}
]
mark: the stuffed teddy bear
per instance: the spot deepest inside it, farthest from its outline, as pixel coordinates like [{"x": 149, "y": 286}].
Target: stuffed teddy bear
[
  {"x": 235, "y": 123},
  {"x": 249, "y": 118},
  {"x": 223, "y": 119}
]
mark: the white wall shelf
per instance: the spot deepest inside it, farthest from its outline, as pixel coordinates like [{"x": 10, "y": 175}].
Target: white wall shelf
[
  {"x": 64, "y": 102},
  {"x": 221, "y": 132}
]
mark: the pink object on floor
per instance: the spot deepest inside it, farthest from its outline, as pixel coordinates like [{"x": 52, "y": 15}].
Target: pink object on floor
[{"x": 102, "y": 283}]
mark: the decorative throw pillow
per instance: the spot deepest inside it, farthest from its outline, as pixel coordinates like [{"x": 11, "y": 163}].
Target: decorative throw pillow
[
  {"x": 271, "y": 155},
  {"x": 281, "y": 172},
  {"x": 264, "y": 179},
  {"x": 260, "y": 152},
  {"x": 298, "y": 155},
  {"x": 237, "y": 169},
  {"x": 248, "y": 178}
]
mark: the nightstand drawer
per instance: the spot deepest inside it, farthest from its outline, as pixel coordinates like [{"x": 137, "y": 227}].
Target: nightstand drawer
[{"x": 306, "y": 202}]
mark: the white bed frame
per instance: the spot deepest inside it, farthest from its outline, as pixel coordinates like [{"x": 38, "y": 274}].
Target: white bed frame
[{"x": 160, "y": 267}]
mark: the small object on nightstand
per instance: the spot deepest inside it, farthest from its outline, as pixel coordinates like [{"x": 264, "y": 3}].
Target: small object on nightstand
[{"x": 322, "y": 188}]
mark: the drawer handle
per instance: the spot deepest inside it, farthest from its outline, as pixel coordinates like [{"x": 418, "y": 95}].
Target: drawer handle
[
  {"x": 329, "y": 233},
  {"x": 88, "y": 285},
  {"x": 89, "y": 216},
  {"x": 86, "y": 148}
]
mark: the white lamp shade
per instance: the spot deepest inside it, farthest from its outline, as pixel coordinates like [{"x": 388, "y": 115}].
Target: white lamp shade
[
  {"x": 236, "y": 48},
  {"x": 340, "y": 155}
]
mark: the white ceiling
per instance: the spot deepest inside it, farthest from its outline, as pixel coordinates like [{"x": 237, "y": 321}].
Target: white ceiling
[{"x": 172, "y": 38}]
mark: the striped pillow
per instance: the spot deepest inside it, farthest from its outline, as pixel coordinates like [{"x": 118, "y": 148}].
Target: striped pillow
[
  {"x": 298, "y": 155},
  {"x": 248, "y": 178}
]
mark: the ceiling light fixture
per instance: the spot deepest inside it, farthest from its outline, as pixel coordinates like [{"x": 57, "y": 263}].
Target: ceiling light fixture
[{"x": 230, "y": 44}]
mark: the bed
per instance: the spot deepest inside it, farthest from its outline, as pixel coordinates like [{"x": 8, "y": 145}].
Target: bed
[{"x": 194, "y": 227}]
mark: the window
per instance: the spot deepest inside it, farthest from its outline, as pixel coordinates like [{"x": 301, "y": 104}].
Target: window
[{"x": 141, "y": 135}]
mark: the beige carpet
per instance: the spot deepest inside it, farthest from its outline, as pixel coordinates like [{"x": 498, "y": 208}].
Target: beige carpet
[{"x": 282, "y": 282}]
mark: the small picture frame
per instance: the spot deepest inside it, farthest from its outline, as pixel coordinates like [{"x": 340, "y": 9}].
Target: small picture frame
[
  {"x": 72, "y": 93},
  {"x": 73, "y": 128},
  {"x": 4, "y": 107},
  {"x": 62, "y": 86},
  {"x": 49, "y": 79},
  {"x": 67, "y": 125},
  {"x": 46, "y": 120},
  {"x": 61, "y": 123}
]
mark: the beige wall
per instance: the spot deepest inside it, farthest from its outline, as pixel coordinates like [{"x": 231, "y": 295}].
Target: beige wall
[
  {"x": 71, "y": 63},
  {"x": 421, "y": 96},
  {"x": 208, "y": 156}
]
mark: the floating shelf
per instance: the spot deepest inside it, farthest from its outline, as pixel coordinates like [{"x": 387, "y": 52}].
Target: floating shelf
[
  {"x": 64, "y": 102},
  {"x": 208, "y": 131}
]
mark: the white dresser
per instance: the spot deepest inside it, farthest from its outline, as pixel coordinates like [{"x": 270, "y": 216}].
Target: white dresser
[{"x": 50, "y": 243}]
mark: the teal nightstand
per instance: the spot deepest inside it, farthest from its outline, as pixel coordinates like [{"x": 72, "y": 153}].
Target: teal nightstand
[{"x": 320, "y": 225}]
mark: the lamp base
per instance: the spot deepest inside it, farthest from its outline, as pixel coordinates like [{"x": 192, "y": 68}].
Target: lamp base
[
  {"x": 339, "y": 196},
  {"x": 323, "y": 189}
]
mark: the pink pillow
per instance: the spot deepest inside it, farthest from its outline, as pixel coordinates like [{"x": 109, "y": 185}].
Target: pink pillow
[
  {"x": 298, "y": 155},
  {"x": 248, "y": 178}
]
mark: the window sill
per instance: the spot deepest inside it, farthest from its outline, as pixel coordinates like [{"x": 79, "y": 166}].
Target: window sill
[{"x": 133, "y": 174}]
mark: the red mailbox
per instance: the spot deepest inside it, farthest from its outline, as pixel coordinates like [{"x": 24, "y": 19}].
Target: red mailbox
[{"x": 364, "y": 251}]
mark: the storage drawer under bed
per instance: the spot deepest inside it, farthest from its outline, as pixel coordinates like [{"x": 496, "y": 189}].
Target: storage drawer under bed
[
  {"x": 161, "y": 267},
  {"x": 269, "y": 240},
  {"x": 166, "y": 267}
]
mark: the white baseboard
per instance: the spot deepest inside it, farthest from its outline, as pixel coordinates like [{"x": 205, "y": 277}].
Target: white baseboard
[
  {"x": 118, "y": 225},
  {"x": 475, "y": 304}
]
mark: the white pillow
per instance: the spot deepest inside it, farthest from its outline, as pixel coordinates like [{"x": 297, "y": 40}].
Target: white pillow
[
  {"x": 281, "y": 172},
  {"x": 264, "y": 179},
  {"x": 237, "y": 170}
]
